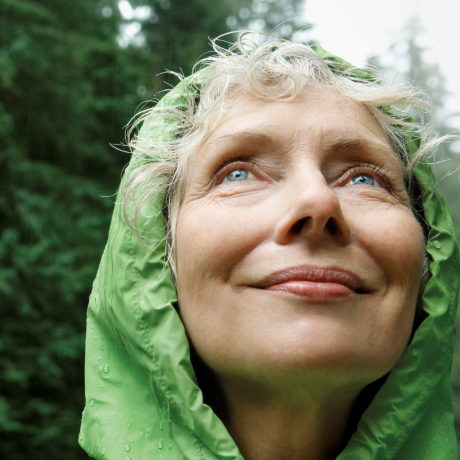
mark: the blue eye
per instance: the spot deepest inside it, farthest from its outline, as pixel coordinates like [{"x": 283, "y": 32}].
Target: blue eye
[
  {"x": 237, "y": 175},
  {"x": 362, "y": 179}
]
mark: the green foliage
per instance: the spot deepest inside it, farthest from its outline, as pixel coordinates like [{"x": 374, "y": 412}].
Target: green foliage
[
  {"x": 65, "y": 91},
  {"x": 69, "y": 82}
]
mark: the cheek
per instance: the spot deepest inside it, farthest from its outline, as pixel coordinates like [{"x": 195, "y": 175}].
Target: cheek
[
  {"x": 200, "y": 240},
  {"x": 210, "y": 241},
  {"x": 395, "y": 242}
]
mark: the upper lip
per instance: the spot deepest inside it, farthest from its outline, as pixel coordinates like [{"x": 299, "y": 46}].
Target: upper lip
[{"x": 314, "y": 274}]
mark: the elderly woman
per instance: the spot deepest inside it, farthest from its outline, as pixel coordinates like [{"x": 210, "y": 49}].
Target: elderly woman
[{"x": 285, "y": 197}]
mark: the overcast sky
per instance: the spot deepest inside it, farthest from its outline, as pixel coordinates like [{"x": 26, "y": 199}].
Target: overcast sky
[{"x": 355, "y": 29}]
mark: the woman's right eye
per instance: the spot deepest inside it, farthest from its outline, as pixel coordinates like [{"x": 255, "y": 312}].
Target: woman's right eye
[{"x": 238, "y": 175}]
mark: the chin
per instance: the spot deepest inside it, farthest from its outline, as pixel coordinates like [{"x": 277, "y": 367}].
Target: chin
[{"x": 305, "y": 369}]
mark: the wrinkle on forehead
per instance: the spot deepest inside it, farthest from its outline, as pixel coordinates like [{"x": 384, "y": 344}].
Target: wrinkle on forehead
[{"x": 238, "y": 105}]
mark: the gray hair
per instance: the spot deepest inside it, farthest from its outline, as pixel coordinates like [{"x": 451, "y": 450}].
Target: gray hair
[{"x": 268, "y": 69}]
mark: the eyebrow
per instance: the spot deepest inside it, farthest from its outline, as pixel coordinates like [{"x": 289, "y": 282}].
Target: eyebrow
[
  {"x": 344, "y": 144},
  {"x": 348, "y": 144},
  {"x": 254, "y": 136}
]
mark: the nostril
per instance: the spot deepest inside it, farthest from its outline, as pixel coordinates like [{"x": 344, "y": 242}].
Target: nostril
[
  {"x": 332, "y": 226},
  {"x": 297, "y": 227}
]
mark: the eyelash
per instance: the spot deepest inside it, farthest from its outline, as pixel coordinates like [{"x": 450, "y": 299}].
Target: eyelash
[
  {"x": 221, "y": 168},
  {"x": 382, "y": 176}
]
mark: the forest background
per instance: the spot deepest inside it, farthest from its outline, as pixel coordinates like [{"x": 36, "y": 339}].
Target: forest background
[{"x": 72, "y": 74}]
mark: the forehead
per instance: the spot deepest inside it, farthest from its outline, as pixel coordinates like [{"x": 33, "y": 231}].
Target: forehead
[{"x": 312, "y": 111}]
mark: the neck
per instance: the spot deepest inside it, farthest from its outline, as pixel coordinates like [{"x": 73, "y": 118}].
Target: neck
[{"x": 292, "y": 425}]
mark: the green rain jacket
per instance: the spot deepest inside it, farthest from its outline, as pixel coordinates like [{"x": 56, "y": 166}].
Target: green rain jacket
[{"x": 142, "y": 399}]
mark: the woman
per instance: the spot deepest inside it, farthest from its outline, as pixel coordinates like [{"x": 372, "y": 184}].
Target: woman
[{"x": 316, "y": 273}]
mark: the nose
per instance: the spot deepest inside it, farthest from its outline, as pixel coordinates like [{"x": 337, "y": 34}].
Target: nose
[{"x": 313, "y": 211}]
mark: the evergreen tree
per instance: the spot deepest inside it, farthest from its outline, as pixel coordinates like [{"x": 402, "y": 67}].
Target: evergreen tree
[{"x": 66, "y": 92}]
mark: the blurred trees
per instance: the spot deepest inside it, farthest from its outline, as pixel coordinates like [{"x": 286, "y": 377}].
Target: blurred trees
[
  {"x": 66, "y": 91},
  {"x": 408, "y": 60},
  {"x": 72, "y": 74}
]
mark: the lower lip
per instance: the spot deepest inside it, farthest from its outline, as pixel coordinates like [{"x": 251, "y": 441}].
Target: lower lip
[{"x": 313, "y": 289}]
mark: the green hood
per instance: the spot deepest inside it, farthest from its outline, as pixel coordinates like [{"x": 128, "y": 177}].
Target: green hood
[{"x": 142, "y": 399}]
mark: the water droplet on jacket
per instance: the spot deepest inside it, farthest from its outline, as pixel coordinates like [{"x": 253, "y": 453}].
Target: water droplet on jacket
[
  {"x": 127, "y": 447},
  {"x": 92, "y": 403},
  {"x": 142, "y": 433},
  {"x": 161, "y": 426},
  {"x": 437, "y": 244},
  {"x": 103, "y": 451},
  {"x": 160, "y": 444},
  {"x": 106, "y": 368},
  {"x": 128, "y": 458},
  {"x": 170, "y": 446},
  {"x": 415, "y": 351},
  {"x": 129, "y": 425},
  {"x": 147, "y": 430},
  {"x": 102, "y": 386},
  {"x": 435, "y": 440}
]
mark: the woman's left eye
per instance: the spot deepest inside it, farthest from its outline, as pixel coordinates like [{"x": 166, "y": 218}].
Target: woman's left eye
[{"x": 362, "y": 179}]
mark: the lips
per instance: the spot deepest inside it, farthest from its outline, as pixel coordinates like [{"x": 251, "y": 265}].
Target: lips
[{"x": 321, "y": 282}]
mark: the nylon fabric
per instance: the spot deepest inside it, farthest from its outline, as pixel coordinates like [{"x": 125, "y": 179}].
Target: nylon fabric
[{"x": 142, "y": 398}]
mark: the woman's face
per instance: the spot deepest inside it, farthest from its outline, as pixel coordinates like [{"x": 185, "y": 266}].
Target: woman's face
[{"x": 297, "y": 250}]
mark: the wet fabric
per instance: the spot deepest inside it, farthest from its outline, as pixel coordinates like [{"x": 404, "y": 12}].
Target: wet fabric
[{"x": 142, "y": 398}]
